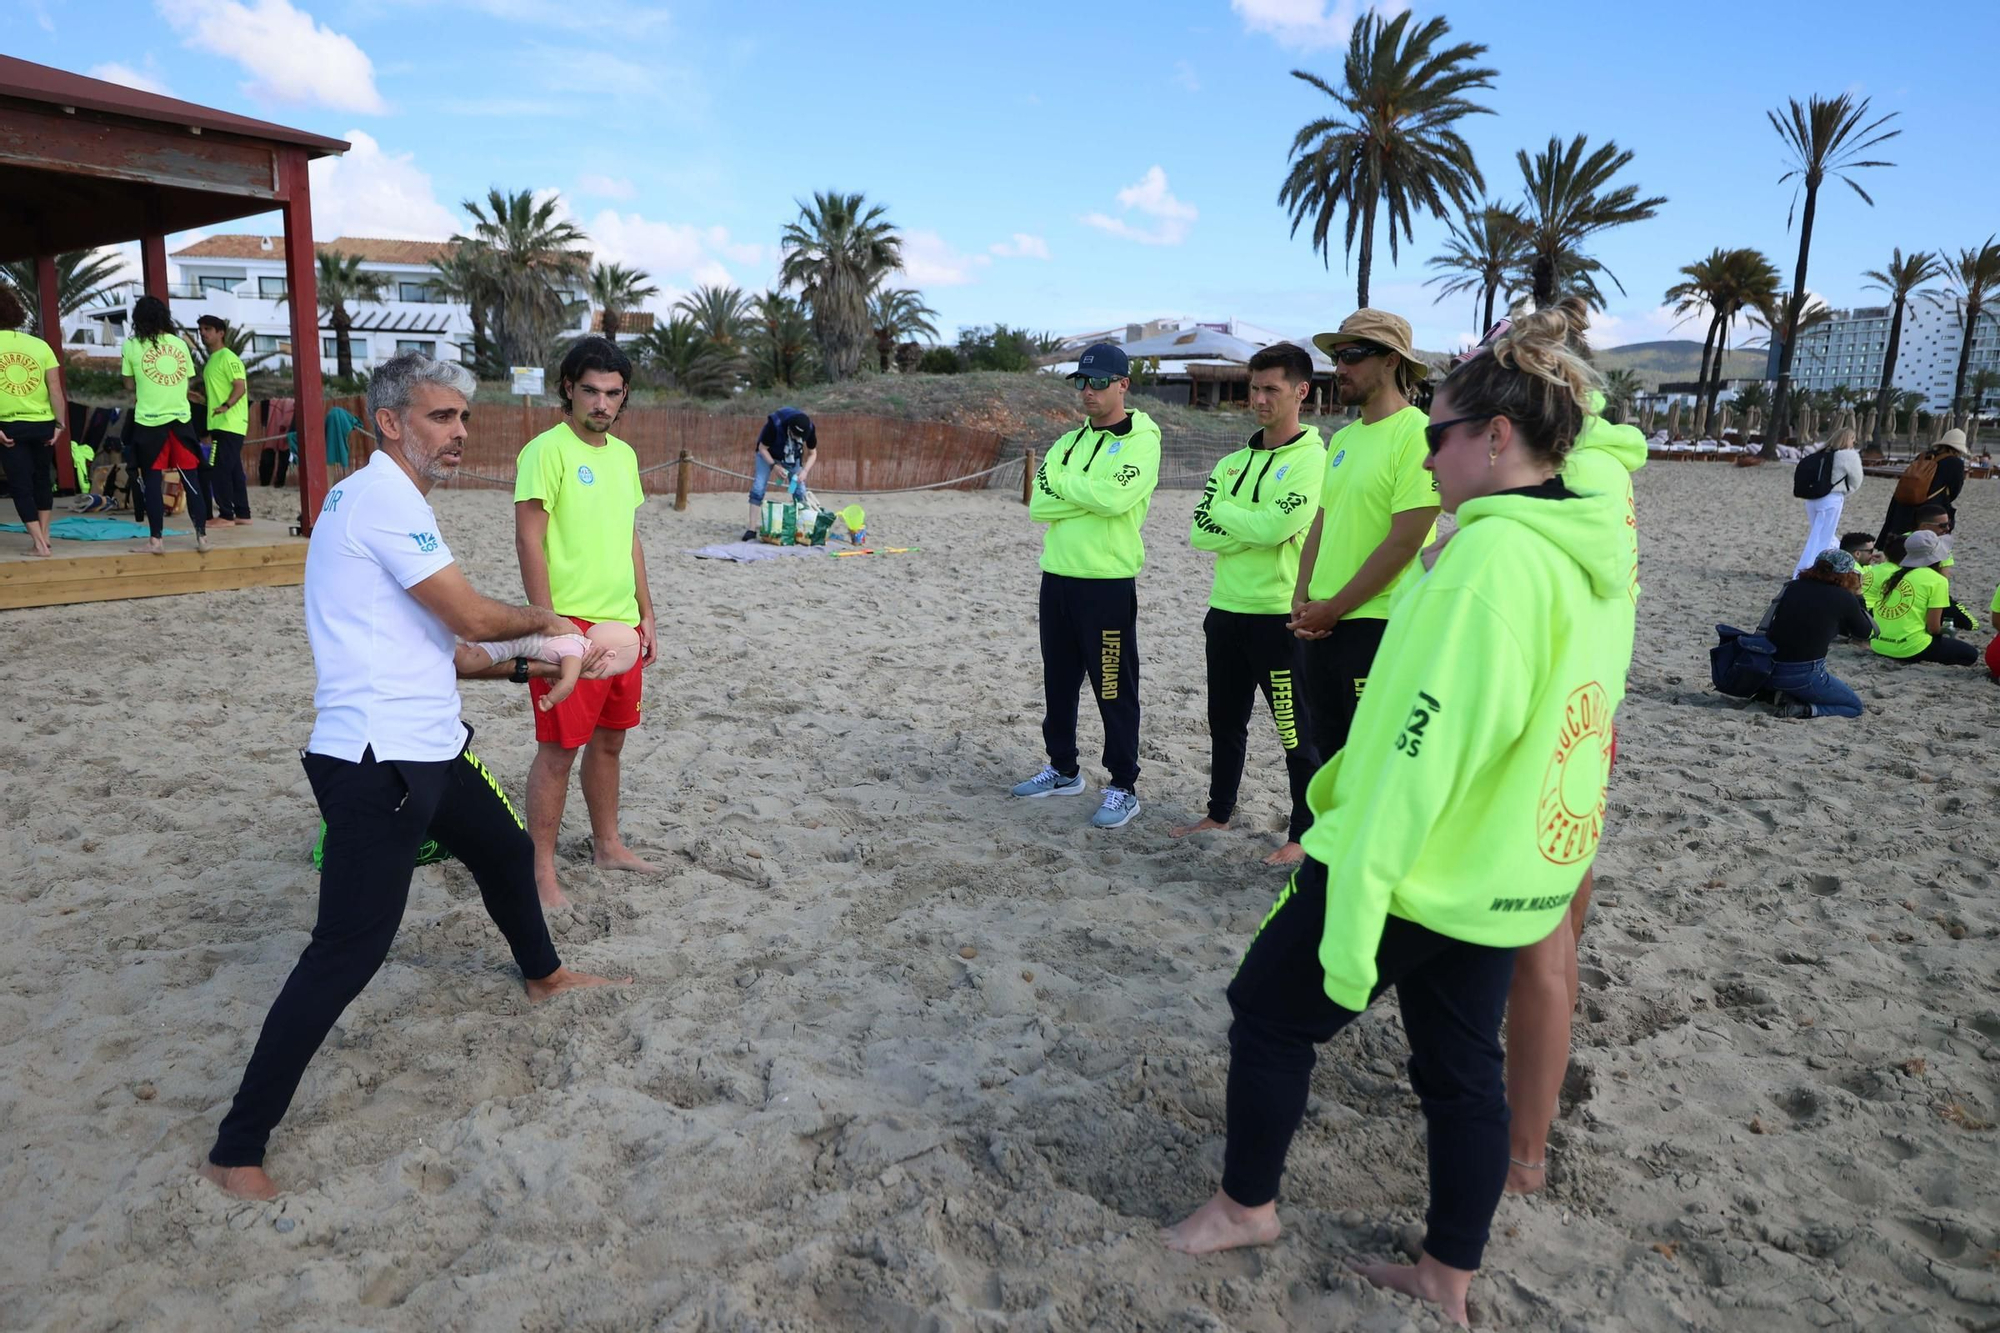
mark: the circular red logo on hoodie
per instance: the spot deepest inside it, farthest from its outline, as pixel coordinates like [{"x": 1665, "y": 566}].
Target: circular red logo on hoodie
[{"x": 1569, "y": 819}]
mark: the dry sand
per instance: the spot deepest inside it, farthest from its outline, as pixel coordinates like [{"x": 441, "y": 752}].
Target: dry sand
[{"x": 907, "y": 1055}]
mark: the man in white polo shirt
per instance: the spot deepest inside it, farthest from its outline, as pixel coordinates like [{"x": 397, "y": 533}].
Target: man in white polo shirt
[{"x": 389, "y": 760}]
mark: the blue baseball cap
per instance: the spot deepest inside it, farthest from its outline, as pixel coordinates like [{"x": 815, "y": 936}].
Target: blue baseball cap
[{"x": 1102, "y": 361}]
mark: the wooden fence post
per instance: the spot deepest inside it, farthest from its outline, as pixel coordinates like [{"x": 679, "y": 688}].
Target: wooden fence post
[
  {"x": 683, "y": 473},
  {"x": 1028, "y": 478}
]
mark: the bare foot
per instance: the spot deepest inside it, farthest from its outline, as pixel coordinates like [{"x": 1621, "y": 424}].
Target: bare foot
[
  {"x": 562, "y": 979},
  {"x": 617, "y": 856},
  {"x": 1427, "y": 1280},
  {"x": 153, "y": 546},
  {"x": 242, "y": 1182},
  {"x": 1205, "y": 826},
  {"x": 1288, "y": 855},
  {"x": 550, "y": 892},
  {"x": 1222, "y": 1224},
  {"x": 1526, "y": 1179},
  {"x": 201, "y": 541}
]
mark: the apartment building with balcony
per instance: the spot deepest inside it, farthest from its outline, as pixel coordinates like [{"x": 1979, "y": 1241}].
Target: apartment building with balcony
[{"x": 1849, "y": 348}]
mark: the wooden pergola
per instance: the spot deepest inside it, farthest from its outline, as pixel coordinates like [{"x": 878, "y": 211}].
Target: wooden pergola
[{"x": 84, "y": 163}]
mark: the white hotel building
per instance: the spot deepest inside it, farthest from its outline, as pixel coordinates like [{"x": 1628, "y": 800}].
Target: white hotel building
[
  {"x": 241, "y": 279},
  {"x": 1848, "y": 350}
]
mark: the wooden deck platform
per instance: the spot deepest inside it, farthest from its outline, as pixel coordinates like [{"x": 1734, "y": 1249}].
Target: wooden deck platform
[{"x": 262, "y": 555}]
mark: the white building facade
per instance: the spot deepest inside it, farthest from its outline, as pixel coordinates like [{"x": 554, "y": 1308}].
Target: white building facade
[{"x": 1848, "y": 350}]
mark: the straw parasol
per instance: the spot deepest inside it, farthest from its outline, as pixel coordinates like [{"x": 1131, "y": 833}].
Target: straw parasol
[
  {"x": 1674, "y": 421},
  {"x": 1701, "y": 421}
]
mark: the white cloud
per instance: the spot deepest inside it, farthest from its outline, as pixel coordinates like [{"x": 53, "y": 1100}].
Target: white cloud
[
  {"x": 605, "y": 187},
  {"x": 929, "y": 261},
  {"x": 675, "y": 255},
  {"x": 1185, "y": 76},
  {"x": 1023, "y": 246},
  {"x": 146, "y": 81},
  {"x": 289, "y": 57},
  {"x": 1152, "y": 199},
  {"x": 1306, "y": 25},
  {"x": 370, "y": 192}
]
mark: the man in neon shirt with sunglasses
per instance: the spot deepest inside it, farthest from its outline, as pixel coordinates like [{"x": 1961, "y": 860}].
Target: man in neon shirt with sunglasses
[
  {"x": 1093, "y": 490},
  {"x": 1377, "y": 511}
]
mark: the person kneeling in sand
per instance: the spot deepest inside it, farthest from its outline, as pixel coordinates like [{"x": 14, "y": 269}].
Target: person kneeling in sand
[
  {"x": 389, "y": 759},
  {"x": 1452, "y": 827}
]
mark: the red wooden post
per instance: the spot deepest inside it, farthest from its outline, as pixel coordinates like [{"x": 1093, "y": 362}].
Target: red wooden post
[
  {"x": 153, "y": 265},
  {"x": 302, "y": 287},
  {"x": 51, "y": 312}
]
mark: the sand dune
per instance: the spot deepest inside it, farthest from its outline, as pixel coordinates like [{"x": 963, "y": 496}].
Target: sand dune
[{"x": 906, "y": 1055}]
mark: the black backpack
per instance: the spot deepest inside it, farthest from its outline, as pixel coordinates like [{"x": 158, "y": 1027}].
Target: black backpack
[{"x": 1812, "y": 479}]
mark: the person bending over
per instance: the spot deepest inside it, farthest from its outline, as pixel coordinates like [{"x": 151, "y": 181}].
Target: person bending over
[
  {"x": 790, "y": 442},
  {"x": 1911, "y": 604},
  {"x": 1452, "y": 827},
  {"x": 389, "y": 760},
  {"x": 1822, "y": 602}
]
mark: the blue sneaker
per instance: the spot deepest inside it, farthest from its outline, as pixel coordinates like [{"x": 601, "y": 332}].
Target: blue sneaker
[
  {"x": 1048, "y": 782},
  {"x": 1118, "y": 809}
]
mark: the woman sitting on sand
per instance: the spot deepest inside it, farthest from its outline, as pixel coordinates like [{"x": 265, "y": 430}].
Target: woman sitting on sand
[
  {"x": 1910, "y": 609},
  {"x": 1454, "y": 826},
  {"x": 1822, "y": 602}
]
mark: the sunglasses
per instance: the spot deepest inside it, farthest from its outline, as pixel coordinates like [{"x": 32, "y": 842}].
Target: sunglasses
[
  {"x": 1434, "y": 433},
  {"x": 1098, "y": 382},
  {"x": 1355, "y": 353}
]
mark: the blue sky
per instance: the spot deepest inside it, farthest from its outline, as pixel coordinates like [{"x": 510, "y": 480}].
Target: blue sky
[{"x": 1057, "y": 166}]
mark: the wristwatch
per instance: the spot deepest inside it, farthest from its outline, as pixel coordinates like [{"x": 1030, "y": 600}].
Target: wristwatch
[{"x": 520, "y": 676}]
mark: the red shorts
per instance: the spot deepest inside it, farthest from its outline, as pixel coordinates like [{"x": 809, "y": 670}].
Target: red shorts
[{"x": 608, "y": 705}]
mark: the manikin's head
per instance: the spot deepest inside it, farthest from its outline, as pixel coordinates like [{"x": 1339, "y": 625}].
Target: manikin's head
[{"x": 622, "y": 640}]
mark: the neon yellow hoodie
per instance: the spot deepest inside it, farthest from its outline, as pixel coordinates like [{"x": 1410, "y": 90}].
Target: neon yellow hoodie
[
  {"x": 1253, "y": 514},
  {"x": 1602, "y": 462},
  {"x": 1470, "y": 796},
  {"x": 1093, "y": 490}
]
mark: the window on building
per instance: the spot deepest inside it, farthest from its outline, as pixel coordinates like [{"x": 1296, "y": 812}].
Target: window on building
[
  {"x": 357, "y": 346},
  {"x": 212, "y": 284},
  {"x": 267, "y": 342},
  {"x": 428, "y": 346},
  {"x": 271, "y": 288},
  {"x": 414, "y": 291}
]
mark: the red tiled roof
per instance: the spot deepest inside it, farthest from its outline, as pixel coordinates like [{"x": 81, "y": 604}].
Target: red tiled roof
[
  {"x": 375, "y": 250},
  {"x": 57, "y": 87},
  {"x": 629, "y": 321}
]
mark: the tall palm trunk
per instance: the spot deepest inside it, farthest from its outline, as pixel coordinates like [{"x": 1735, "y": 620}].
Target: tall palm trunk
[
  {"x": 343, "y": 350},
  {"x": 1781, "y": 403},
  {"x": 1707, "y": 349},
  {"x": 1721, "y": 360},
  {"x": 1367, "y": 264},
  {"x": 1492, "y": 291},
  {"x": 1972, "y": 308},
  {"x": 1545, "y": 281},
  {"x": 1883, "y": 412}
]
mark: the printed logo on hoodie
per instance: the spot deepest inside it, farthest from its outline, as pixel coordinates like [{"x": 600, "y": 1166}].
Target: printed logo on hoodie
[{"x": 1570, "y": 816}]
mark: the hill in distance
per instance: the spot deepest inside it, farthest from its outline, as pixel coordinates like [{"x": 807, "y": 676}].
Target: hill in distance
[{"x": 1677, "y": 359}]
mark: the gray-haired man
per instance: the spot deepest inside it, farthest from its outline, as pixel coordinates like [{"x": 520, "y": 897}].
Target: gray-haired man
[{"x": 389, "y": 760}]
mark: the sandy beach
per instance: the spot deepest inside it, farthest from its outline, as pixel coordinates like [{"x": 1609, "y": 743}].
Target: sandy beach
[{"x": 904, "y": 1054}]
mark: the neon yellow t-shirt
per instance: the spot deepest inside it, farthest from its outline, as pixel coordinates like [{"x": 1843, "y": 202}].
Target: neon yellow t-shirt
[
  {"x": 1872, "y": 579},
  {"x": 1995, "y": 608},
  {"x": 218, "y": 379},
  {"x": 1905, "y": 609},
  {"x": 25, "y": 362},
  {"x": 1372, "y": 473},
  {"x": 160, "y": 371},
  {"x": 592, "y": 494}
]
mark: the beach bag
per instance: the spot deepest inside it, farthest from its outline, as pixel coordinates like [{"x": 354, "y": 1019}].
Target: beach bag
[
  {"x": 1812, "y": 479},
  {"x": 1915, "y": 485},
  {"x": 1740, "y": 665}
]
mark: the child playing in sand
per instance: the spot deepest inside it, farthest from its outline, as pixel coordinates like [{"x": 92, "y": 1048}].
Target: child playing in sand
[{"x": 566, "y": 653}]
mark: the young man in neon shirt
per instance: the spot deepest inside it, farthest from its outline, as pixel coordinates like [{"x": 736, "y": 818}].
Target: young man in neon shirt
[
  {"x": 228, "y": 392},
  {"x": 1253, "y": 514},
  {"x": 1093, "y": 490},
  {"x": 1377, "y": 511},
  {"x": 576, "y": 497}
]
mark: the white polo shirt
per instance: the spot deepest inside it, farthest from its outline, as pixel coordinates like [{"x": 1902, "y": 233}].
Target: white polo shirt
[{"x": 384, "y": 662}]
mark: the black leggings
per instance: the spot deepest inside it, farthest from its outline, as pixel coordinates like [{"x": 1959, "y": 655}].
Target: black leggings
[
  {"x": 1336, "y": 670},
  {"x": 1452, "y": 994},
  {"x": 1945, "y": 651},
  {"x": 1090, "y": 628},
  {"x": 377, "y": 815},
  {"x": 147, "y": 441},
  {"x": 30, "y": 466},
  {"x": 1248, "y": 653}
]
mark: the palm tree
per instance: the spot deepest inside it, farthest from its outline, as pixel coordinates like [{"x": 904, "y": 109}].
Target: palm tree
[
  {"x": 836, "y": 252},
  {"x": 1825, "y": 137},
  {"x": 462, "y": 274},
  {"x": 239, "y": 339},
  {"x": 83, "y": 278},
  {"x": 342, "y": 281},
  {"x": 1694, "y": 295},
  {"x": 614, "y": 289},
  {"x": 1620, "y": 388},
  {"x": 1392, "y": 141},
  {"x": 687, "y": 360},
  {"x": 1902, "y": 279},
  {"x": 896, "y": 315},
  {"x": 1746, "y": 283},
  {"x": 781, "y": 354},
  {"x": 1971, "y": 281},
  {"x": 1753, "y": 397},
  {"x": 719, "y": 314},
  {"x": 1483, "y": 257},
  {"x": 1569, "y": 200},
  {"x": 536, "y": 266}
]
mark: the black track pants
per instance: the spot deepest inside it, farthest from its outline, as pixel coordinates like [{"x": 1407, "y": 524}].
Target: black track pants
[
  {"x": 1090, "y": 628},
  {"x": 1336, "y": 669},
  {"x": 30, "y": 465},
  {"x": 1247, "y": 654}
]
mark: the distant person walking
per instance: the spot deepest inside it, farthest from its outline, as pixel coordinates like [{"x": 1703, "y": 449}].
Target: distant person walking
[
  {"x": 1093, "y": 490},
  {"x": 227, "y": 389},
  {"x": 158, "y": 368},
  {"x": 789, "y": 441},
  {"x": 31, "y": 384},
  {"x": 1934, "y": 477},
  {"x": 1824, "y": 479}
]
